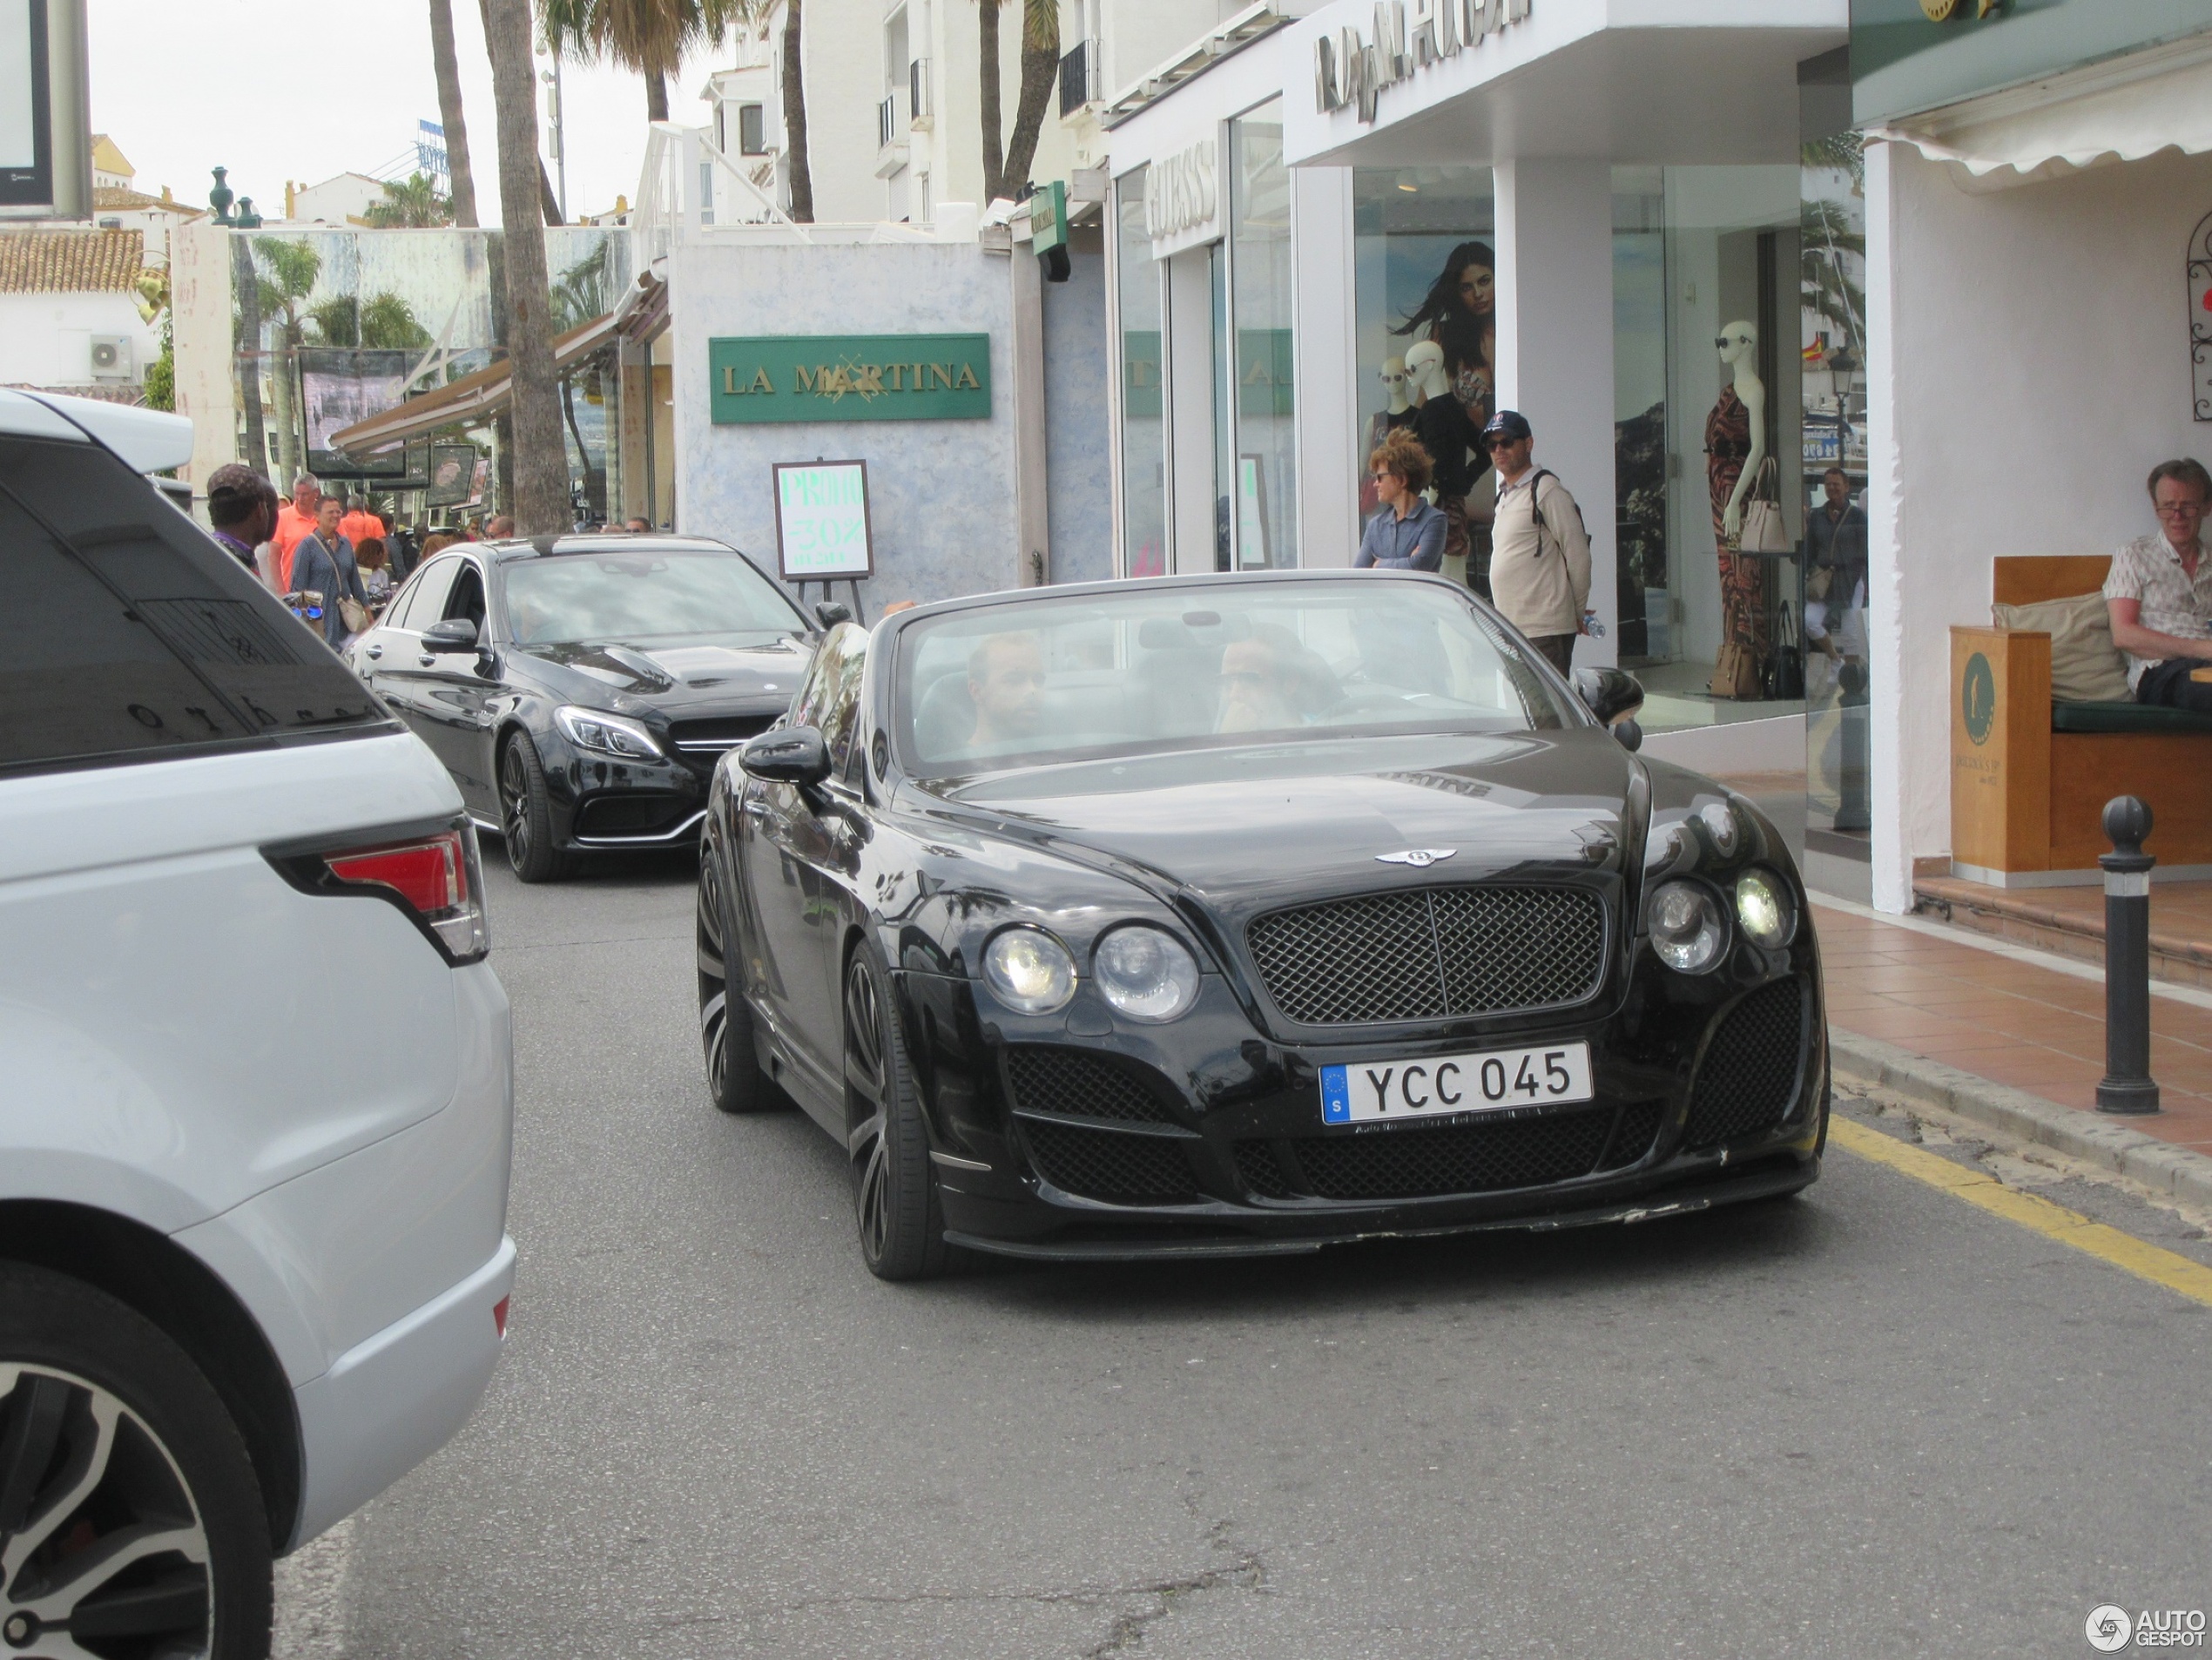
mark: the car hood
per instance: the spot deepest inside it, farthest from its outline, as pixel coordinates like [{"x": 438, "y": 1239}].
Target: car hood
[
  {"x": 1241, "y": 828},
  {"x": 673, "y": 676}
]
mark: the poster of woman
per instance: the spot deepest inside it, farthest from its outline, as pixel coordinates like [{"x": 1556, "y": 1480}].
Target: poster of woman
[{"x": 1457, "y": 316}]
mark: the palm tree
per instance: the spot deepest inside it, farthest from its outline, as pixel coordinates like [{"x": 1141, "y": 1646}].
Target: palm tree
[
  {"x": 649, "y": 37},
  {"x": 1040, "y": 68},
  {"x": 412, "y": 204},
  {"x": 292, "y": 269},
  {"x": 541, "y": 503},
  {"x": 382, "y": 322},
  {"x": 578, "y": 298},
  {"x": 448, "y": 73},
  {"x": 1826, "y": 233},
  {"x": 795, "y": 88},
  {"x": 987, "y": 28}
]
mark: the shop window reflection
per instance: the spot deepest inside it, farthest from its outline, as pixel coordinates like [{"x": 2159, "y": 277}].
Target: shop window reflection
[{"x": 1143, "y": 481}]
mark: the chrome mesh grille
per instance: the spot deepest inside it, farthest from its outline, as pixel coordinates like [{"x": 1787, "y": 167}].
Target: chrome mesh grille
[{"x": 1430, "y": 954}]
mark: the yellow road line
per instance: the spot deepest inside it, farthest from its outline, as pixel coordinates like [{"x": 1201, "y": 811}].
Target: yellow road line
[{"x": 2161, "y": 1267}]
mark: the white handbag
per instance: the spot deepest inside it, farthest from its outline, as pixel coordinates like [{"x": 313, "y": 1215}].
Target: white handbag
[{"x": 1764, "y": 532}]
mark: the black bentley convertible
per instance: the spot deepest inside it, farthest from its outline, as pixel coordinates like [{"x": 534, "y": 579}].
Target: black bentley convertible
[{"x": 1241, "y": 914}]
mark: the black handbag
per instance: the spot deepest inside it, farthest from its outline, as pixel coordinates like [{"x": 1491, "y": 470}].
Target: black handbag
[{"x": 1785, "y": 670}]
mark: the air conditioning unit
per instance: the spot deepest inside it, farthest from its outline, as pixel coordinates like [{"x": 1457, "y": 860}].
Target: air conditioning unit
[{"x": 111, "y": 357}]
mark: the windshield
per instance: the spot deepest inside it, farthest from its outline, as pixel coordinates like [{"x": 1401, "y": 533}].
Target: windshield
[
  {"x": 640, "y": 595},
  {"x": 1142, "y": 671}
]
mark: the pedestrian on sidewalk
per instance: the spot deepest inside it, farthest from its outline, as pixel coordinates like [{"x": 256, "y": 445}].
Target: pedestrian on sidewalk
[
  {"x": 359, "y": 524},
  {"x": 295, "y": 519},
  {"x": 1836, "y": 581},
  {"x": 242, "y": 508},
  {"x": 2158, "y": 592},
  {"x": 1406, "y": 533},
  {"x": 323, "y": 561},
  {"x": 1539, "y": 554}
]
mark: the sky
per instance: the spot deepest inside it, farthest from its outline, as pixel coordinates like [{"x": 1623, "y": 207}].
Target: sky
[{"x": 304, "y": 89}]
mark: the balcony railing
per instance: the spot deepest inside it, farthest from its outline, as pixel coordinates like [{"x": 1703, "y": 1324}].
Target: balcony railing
[{"x": 1079, "y": 77}]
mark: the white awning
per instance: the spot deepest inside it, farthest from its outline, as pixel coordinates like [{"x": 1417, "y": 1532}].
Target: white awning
[{"x": 2118, "y": 110}]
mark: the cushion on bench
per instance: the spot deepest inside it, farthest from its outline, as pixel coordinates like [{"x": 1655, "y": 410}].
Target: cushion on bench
[
  {"x": 2126, "y": 717},
  {"x": 2086, "y": 667}
]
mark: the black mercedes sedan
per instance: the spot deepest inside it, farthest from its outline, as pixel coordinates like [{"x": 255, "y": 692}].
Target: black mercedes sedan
[
  {"x": 1216, "y": 916},
  {"x": 580, "y": 689}
]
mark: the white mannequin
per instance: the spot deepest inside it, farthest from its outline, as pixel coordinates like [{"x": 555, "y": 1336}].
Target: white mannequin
[
  {"x": 1425, "y": 370},
  {"x": 1739, "y": 345},
  {"x": 1393, "y": 378}
]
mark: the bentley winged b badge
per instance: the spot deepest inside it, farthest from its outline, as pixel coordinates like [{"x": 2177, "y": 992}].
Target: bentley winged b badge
[{"x": 1418, "y": 858}]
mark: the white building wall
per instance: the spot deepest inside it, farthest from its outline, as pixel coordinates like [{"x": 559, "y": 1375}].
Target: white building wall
[
  {"x": 46, "y": 339},
  {"x": 2031, "y": 365}
]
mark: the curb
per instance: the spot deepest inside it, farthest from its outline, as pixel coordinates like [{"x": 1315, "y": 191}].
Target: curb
[{"x": 2157, "y": 1164}]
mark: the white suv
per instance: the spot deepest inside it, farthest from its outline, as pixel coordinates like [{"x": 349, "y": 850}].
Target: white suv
[{"x": 255, "y": 1074}]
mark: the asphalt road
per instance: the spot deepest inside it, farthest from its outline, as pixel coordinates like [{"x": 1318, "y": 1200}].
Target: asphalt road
[{"x": 1871, "y": 1420}]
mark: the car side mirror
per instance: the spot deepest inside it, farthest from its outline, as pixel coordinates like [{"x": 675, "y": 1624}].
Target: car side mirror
[
  {"x": 453, "y": 634},
  {"x": 795, "y": 755},
  {"x": 1612, "y": 694},
  {"x": 1629, "y": 733}
]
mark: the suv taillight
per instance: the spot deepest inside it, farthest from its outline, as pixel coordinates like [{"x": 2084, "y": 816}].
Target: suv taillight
[{"x": 435, "y": 877}]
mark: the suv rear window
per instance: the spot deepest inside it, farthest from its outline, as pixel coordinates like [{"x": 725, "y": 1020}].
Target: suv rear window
[{"x": 126, "y": 634}]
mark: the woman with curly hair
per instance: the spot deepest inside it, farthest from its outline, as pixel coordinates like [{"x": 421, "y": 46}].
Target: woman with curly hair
[{"x": 1406, "y": 533}]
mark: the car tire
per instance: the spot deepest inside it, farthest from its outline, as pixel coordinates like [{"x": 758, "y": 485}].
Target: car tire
[
  {"x": 735, "y": 1081},
  {"x": 895, "y": 1186},
  {"x": 134, "y": 1437},
  {"x": 526, "y": 813}
]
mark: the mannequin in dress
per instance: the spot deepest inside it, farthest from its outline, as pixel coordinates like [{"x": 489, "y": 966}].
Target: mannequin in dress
[
  {"x": 1735, "y": 445},
  {"x": 1739, "y": 349}
]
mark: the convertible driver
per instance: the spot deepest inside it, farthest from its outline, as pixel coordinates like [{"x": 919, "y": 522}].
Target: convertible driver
[{"x": 1006, "y": 683}]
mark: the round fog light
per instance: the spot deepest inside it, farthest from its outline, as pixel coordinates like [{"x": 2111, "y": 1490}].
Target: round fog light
[
  {"x": 1029, "y": 970},
  {"x": 1146, "y": 973},
  {"x": 1686, "y": 927},
  {"x": 1764, "y": 908}
]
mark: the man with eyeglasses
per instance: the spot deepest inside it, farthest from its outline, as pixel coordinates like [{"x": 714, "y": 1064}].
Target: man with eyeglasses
[{"x": 2159, "y": 593}]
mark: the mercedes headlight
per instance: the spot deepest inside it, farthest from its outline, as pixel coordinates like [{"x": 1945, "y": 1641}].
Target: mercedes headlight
[
  {"x": 603, "y": 734},
  {"x": 1146, "y": 973},
  {"x": 1763, "y": 907},
  {"x": 1686, "y": 929},
  {"x": 1029, "y": 971}
]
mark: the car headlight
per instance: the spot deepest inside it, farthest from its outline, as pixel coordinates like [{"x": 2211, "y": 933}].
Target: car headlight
[
  {"x": 604, "y": 734},
  {"x": 1720, "y": 821},
  {"x": 1763, "y": 907},
  {"x": 1687, "y": 930},
  {"x": 1146, "y": 973},
  {"x": 1030, "y": 971}
]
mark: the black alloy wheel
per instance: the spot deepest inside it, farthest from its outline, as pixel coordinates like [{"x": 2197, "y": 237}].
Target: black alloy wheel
[
  {"x": 526, "y": 814},
  {"x": 131, "y": 1524},
  {"x": 894, "y": 1189},
  {"x": 734, "y": 1080}
]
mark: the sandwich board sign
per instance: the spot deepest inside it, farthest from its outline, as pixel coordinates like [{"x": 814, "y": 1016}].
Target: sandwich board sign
[{"x": 822, "y": 531}]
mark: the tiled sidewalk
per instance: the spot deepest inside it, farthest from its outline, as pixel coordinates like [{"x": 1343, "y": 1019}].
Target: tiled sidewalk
[{"x": 2013, "y": 1022}]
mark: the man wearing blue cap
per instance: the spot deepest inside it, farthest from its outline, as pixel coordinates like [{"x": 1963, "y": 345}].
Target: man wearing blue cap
[{"x": 1539, "y": 554}]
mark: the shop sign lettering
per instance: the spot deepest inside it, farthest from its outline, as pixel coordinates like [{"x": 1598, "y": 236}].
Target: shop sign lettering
[
  {"x": 1182, "y": 196},
  {"x": 755, "y": 381},
  {"x": 1348, "y": 70}
]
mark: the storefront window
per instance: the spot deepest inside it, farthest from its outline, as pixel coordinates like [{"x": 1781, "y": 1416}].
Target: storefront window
[
  {"x": 1832, "y": 346},
  {"x": 1710, "y": 522},
  {"x": 1144, "y": 435},
  {"x": 1265, "y": 489},
  {"x": 1423, "y": 271},
  {"x": 1225, "y": 430}
]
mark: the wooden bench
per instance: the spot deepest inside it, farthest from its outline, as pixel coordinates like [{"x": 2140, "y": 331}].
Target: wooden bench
[{"x": 2029, "y": 782}]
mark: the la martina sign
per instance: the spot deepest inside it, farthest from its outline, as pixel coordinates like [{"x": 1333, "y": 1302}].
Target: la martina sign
[
  {"x": 759, "y": 378},
  {"x": 1348, "y": 70}
]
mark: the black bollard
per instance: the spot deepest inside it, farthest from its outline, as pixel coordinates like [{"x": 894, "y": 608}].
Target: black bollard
[{"x": 2127, "y": 1085}]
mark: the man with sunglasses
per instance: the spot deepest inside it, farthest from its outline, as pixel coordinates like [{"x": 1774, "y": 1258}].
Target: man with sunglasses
[{"x": 1539, "y": 554}]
